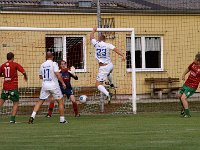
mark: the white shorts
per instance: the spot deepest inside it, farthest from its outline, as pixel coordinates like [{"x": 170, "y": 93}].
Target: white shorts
[
  {"x": 104, "y": 72},
  {"x": 56, "y": 93}
]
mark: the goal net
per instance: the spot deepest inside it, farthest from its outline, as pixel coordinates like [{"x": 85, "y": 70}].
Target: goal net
[{"x": 72, "y": 45}]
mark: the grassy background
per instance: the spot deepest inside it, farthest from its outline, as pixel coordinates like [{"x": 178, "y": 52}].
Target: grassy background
[{"x": 152, "y": 131}]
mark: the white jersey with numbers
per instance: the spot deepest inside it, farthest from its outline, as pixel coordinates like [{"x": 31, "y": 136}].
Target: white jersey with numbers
[
  {"x": 102, "y": 53},
  {"x": 47, "y": 71}
]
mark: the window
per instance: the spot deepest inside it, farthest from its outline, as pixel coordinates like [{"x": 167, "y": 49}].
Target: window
[
  {"x": 68, "y": 48},
  {"x": 148, "y": 53}
]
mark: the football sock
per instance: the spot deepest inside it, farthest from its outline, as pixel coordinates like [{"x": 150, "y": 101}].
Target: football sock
[
  {"x": 50, "y": 110},
  {"x": 33, "y": 114},
  {"x": 103, "y": 90},
  {"x": 187, "y": 111},
  {"x": 110, "y": 79},
  {"x": 12, "y": 118},
  {"x": 62, "y": 118},
  {"x": 75, "y": 107}
]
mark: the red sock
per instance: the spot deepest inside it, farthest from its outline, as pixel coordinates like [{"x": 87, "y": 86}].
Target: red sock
[
  {"x": 75, "y": 107},
  {"x": 50, "y": 110}
]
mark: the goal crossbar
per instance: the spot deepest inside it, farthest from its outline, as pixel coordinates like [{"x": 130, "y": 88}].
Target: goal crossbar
[
  {"x": 131, "y": 30},
  {"x": 66, "y": 29}
]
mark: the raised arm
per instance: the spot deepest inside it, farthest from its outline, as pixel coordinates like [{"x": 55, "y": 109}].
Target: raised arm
[
  {"x": 72, "y": 72},
  {"x": 116, "y": 50},
  {"x": 92, "y": 33}
]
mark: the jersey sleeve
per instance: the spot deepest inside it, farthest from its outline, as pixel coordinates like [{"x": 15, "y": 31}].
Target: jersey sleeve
[
  {"x": 190, "y": 66},
  {"x": 55, "y": 67},
  {"x": 40, "y": 71},
  {"x": 94, "y": 42},
  {"x": 1, "y": 71},
  {"x": 110, "y": 46},
  {"x": 20, "y": 68}
]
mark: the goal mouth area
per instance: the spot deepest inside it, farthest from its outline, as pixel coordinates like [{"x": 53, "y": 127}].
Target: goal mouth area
[{"x": 32, "y": 32}]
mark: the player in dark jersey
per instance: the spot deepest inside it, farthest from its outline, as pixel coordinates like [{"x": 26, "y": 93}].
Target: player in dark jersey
[
  {"x": 10, "y": 85},
  {"x": 66, "y": 74},
  {"x": 190, "y": 85}
]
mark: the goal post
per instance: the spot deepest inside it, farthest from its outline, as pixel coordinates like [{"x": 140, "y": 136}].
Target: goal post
[{"x": 75, "y": 31}]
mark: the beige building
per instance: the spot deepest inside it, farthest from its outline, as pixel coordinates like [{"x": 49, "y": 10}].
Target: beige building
[{"x": 167, "y": 37}]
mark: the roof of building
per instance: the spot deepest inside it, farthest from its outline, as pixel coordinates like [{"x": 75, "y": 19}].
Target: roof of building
[{"x": 111, "y": 6}]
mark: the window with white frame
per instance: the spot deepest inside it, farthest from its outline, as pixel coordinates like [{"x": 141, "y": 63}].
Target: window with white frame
[
  {"x": 68, "y": 48},
  {"x": 148, "y": 53}
]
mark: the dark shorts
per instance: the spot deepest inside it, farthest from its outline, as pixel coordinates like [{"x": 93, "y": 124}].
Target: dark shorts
[
  {"x": 67, "y": 92},
  {"x": 13, "y": 95},
  {"x": 187, "y": 91}
]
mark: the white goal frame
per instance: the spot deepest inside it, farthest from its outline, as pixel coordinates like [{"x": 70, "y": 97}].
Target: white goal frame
[{"x": 131, "y": 30}]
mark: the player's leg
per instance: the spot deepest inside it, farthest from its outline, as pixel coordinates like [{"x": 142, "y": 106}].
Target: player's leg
[
  {"x": 110, "y": 79},
  {"x": 58, "y": 96},
  {"x": 102, "y": 75},
  {"x": 14, "y": 112},
  {"x": 1, "y": 102},
  {"x": 75, "y": 105},
  {"x": 35, "y": 110},
  {"x": 4, "y": 97},
  {"x": 187, "y": 93},
  {"x": 14, "y": 97},
  {"x": 43, "y": 96},
  {"x": 182, "y": 90},
  {"x": 182, "y": 107},
  {"x": 185, "y": 105},
  {"x": 51, "y": 106}
]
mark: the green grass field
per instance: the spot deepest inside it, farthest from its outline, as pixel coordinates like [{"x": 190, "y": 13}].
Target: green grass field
[{"x": 155, "y": 131}]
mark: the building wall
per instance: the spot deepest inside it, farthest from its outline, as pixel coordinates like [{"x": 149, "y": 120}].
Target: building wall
[{"x": 180, "y": 37}]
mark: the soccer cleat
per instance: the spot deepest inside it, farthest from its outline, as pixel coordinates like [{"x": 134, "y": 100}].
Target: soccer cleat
[
  {"x": 77, "y": 116},
  {"x": 187, "y": 116},
  {"x": 65, "y": 122},
  {"x": 30, "y": 121},
  {"x": 48, "y": 116},
  {"x": 182, "y": 113},
  {"x": 12, "y": 122},
  {"x": 110, "y": 98},
  {"x": 112, "y": 85}
]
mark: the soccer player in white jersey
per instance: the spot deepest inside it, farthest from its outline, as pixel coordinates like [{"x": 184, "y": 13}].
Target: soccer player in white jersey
[
  {"x": 49, "y": 73},
  {"x": 102, "y": 54}
]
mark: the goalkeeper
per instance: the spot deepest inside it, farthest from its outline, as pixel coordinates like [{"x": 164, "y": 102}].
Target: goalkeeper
[
  {"x": 66, "y": 75},
  {"x": 190, "y": 85}
]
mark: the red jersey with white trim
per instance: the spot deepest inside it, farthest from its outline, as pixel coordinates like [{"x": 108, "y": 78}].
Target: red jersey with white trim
[
  {"x": 194, "y": 77},
  {"x": 9, "y": 71}
]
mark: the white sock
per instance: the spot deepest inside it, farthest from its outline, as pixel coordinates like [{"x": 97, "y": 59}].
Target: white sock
[
  {"x": 62, "y": 118},
  {"x": 33, "y": 114},
  {"x": 110, "y": 79},
  {"x": 103, "y": 90}
]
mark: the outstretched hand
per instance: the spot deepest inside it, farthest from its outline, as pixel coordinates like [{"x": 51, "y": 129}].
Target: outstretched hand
[
  {"x": 123, "y": 58},
  {"x": 95, "y": 29},
  {"x": 72, "y": 70}
]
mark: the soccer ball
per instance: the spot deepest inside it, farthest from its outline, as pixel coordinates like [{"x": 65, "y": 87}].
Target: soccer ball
[{"x": 83, "y": 98}]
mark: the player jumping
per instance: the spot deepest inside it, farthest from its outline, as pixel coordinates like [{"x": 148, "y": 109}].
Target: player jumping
[{"x": 102, "y": 54}]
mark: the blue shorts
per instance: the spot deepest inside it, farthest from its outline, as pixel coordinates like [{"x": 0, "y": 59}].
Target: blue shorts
[{"x": 67, "y": 92}]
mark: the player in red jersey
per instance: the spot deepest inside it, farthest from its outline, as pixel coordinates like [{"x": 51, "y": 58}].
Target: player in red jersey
[
  {"x": 190, "y": 85},
  {"x": 10, "y": 86},
  {"x": 66, "y": 74}
]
